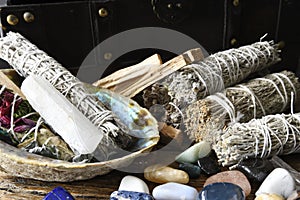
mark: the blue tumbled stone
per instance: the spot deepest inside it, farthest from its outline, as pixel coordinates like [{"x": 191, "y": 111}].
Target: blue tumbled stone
[
  {"x": 221, "y": 191},
  {"x": 59, "y": 193},
  {"x": 129, "y": 195}
]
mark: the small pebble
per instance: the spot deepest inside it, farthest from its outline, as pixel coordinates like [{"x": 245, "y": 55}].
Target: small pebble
[
  {"x": 294, "y": 196},
  {"x": 279, "y": 181},
  {"x": 160, "y": 174},
  {"x": 209, "y": 165},
  {"x": 234, "y": 176},
  {"x": 192, "y": 170},
  {"x": 221, "y": 191},
  {"x": 58, "y": 193},
  {"x": 256, "y": 168},
  {"x": 129, "y": 195},
  {"x": 132, "y": 183},
  {"x": 174, "y": 191},
  {"x": 192, "y": 154},
  {"x": 269, "y": 197}
]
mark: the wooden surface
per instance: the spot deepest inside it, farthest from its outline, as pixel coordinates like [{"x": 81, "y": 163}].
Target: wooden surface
[{"x": 101, "y": 187}]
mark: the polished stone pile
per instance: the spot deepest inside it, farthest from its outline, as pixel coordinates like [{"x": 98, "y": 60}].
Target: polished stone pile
[{"x": 276, "y": 183}]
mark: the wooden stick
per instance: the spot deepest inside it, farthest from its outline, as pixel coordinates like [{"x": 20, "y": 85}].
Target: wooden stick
[
  {"x": 134, "y": 79},
  {"x": 122, "y": 76},
  {"x": 9, "y": 84}
]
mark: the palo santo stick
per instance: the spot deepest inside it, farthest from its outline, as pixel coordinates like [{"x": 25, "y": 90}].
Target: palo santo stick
[
  {"x": 132, "y": 80},
  {"x": 116, "y": 80},
  {"x": 274, "y": 93},
  {"x": 164, "y": 70},
  {"x": 4, "y": 80}
]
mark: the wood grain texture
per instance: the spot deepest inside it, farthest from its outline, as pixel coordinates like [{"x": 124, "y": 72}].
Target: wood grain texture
[{"x": 100, "y": 187}]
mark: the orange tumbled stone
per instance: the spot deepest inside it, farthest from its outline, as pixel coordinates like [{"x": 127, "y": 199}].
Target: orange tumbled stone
[{"x": 234, "y": 176}]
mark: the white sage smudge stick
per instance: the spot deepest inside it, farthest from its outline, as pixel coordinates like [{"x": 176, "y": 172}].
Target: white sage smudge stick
[
  {"x": 209, "y": 76},
  {"x": 27, "y": 59},
  {"x": 272, "y": 94},
  {"x": 271, "y": 135}
]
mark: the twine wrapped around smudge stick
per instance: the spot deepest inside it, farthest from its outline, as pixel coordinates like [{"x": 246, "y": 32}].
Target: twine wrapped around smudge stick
[
  {"x": 209, "y": 76},
  {"x": 27, "y": 59},
  {"x": 265, "y": 137},
  {"x": 205, "y": 118}
]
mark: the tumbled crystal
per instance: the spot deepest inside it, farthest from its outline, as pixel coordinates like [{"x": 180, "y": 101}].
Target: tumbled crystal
[
  {"x": 58, "y": 193},
  {"x": 221, "y": 191},
  {"x": 256, "y": 168},
  {"x": 234, "y": 176},
  {"x": 192, "y": 170},
  {"x": 129, "y": 195},
  {"x": 192, "y": 154},
  {"x": 161, "y": 174},
  {"x": 132, "y": 183},
  {"x": 279, "y": 181},
  {"x": 209, "y": 165},
  {"x": 174, "y": 191}
]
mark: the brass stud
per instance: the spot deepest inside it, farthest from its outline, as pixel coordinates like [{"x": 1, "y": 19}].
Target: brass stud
[
  {"x": 12, "y": 20},
  {"x": 103, "y": 12},
  {"x": 233, "y": 41},
  {"x": 179, "y": 5},
  {"x": 28, "y": 17},
  {"x": 236, "y": 3},
  {"x": 107, "y": 56}
]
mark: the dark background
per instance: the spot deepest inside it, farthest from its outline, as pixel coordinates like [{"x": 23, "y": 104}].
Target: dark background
[{"x": 69, "y": 30}]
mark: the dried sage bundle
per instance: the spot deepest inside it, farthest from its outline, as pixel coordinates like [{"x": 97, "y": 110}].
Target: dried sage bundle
[
  {"x": 271, "y": 135},
  {"x": 274, "y": 93},
  {"x": 207, "y": 77},
  {"x": 27, "y": 59}
]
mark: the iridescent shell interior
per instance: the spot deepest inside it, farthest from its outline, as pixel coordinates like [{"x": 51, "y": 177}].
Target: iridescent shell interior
[{"x": 20, "y": 163}]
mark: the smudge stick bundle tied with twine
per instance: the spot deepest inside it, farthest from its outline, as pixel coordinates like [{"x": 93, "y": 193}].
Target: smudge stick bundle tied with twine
[
  {"x": 272, "y": 94},
  {"x": 209, "y": 76},
  {"x": 265, "y": 137},
  {"x": 27, "y": 59}
]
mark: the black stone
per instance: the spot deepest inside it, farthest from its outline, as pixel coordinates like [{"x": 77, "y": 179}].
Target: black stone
[
  {"x": 192, "y": 170},
  {"x": 221, "y": 191},
  {"x": 209, "y": 164},
  {"x": 255, "y": 168}
]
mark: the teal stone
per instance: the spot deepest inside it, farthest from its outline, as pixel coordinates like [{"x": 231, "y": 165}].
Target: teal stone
[
  {"x": 221, "y": 191},
  {"x": 192, "y": 154},
  {"x": 192, "y": 170}
]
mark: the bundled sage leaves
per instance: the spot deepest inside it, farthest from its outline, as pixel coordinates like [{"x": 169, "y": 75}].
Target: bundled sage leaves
[
  {"x": 271, "y": 135},
  {"x": 272, "y": 94},
  {"x": 27, "y": 59},
  {"x": 207, "y": 77}
]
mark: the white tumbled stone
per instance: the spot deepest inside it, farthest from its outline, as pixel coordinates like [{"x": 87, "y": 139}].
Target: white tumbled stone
[
  {"x": 134, "y": 184},
  {"x": 279, "y": 181},
  {"x": 174, "y": 191},
  {"x": 192, "y": 154}
]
